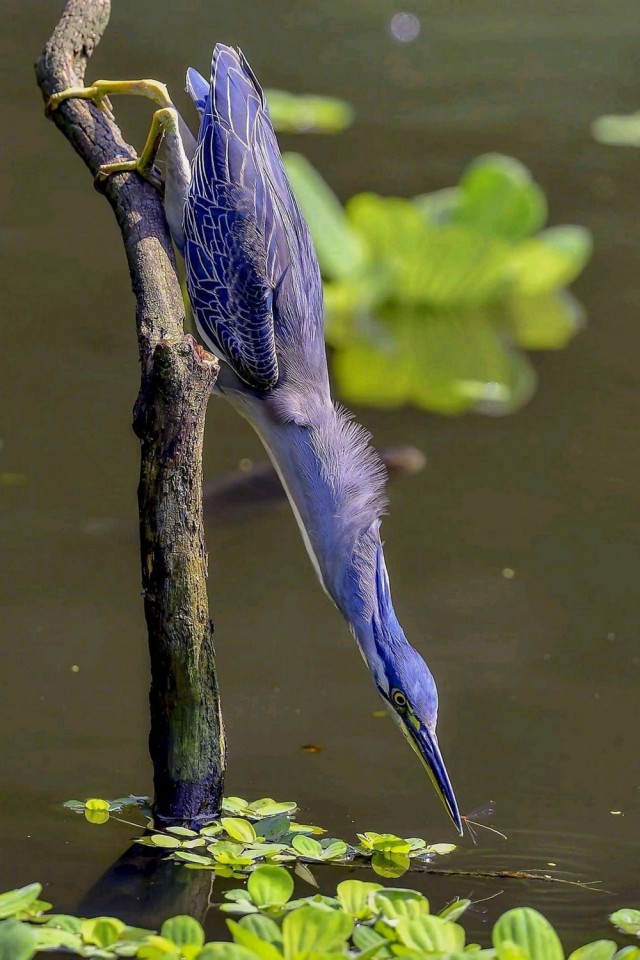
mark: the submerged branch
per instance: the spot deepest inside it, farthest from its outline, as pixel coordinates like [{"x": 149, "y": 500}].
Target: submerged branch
[{"x": 187, "y": 738}]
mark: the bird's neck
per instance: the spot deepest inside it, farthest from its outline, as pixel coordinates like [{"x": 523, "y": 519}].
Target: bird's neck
[{"x": 335, "y": 484}]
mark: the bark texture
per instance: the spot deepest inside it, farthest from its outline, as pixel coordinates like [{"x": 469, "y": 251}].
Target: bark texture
[{"x": 187, "y": 736}]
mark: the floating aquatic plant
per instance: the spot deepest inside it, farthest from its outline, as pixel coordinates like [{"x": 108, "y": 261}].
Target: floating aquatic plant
[
  {"x": 363, "y": 921},
  {"x": 96, "y": 810},
  {"x": 265, "y": 831},
  {"x": 433, "y": 300}
]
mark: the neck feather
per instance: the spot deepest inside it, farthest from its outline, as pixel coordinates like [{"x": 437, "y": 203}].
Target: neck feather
[{"x": 335, "y": 482}]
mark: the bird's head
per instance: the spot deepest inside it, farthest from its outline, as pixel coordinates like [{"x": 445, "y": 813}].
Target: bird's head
[{"x": 406, "y": 685}]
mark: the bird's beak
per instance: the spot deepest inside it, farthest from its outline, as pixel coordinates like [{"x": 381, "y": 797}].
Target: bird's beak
[{"x": 426, "y": 746}]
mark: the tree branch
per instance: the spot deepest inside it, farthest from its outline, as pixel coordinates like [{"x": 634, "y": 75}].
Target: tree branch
[{"x": 187, "y": 737}]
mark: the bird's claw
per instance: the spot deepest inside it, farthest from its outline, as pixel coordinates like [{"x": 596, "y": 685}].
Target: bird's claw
[
  {"x": 100, "y": 90},
  {"x": 104, "y": 105},
  {"x": 99, "y": 93},
  {"x": 107, "y": 170}
]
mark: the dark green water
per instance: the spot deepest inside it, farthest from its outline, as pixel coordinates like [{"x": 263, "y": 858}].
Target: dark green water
[{"x": 538, "y": 675}]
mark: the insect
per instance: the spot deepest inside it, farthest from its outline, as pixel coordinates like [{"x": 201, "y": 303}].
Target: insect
[{"x": 475, "y": 818}]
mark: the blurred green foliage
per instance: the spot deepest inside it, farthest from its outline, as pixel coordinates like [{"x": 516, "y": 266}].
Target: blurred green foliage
[
  {"x": 433, "y": 300},
  {"x": 304, "y": 113},
  {"x": 621, "y": 130}
]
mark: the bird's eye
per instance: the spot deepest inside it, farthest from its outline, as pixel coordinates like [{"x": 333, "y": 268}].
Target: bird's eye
[{"x": 399, "y": 698}]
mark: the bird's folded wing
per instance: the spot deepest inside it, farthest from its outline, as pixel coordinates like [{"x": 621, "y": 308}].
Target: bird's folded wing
[{"x": 239, "y": 228}]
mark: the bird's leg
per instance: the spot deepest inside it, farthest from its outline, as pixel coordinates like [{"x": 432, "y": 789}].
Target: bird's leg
[
  {"x": 162, "y": 121},
  {"x": 99, "y": 92}
]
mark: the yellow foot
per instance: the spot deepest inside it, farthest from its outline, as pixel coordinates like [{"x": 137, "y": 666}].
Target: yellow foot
[
  {"x": 101, "y": 90},
  {"x": 164, "y": 119}
]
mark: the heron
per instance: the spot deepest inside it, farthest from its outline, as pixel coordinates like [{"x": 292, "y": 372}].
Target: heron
[{"x": 255, "y": 290}]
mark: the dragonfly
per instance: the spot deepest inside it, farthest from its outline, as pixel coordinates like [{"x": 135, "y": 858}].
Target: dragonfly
[{"x": 474, "y": 820}]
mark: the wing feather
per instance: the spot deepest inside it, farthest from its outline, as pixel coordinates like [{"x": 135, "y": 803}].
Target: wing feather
[{"x": 247, "y": 248}]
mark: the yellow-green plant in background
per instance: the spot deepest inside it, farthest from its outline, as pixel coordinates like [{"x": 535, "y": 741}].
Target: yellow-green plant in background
[{"x": 433, "y": 300}]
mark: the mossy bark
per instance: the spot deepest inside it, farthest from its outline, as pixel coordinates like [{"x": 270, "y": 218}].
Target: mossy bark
[
  {"x": 188, "y": 759},
  {"x": 187, "y": 736}
]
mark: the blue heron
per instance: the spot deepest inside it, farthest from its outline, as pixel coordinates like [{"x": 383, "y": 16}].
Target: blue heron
[{"x": 255, "y": 289}]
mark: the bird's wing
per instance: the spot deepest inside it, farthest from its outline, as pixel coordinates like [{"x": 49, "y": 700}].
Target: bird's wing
[
  {"x": 242, "y": 225},
  {"x": 198, "y": 89}
]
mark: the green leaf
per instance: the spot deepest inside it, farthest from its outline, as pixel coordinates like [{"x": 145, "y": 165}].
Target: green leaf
[
  {"x": 338, "y": 246},
  {"x": 549, "y": 261},
  {"x": 238, "y": 829},
  {"x": 135, "y": 934},
  {"x": 270, "y": 885},
  {"x": 439, "y": 207},
  {"x": 266, "y": 849},
  {"x": 263, "y": 927},
  {"x": 184, "y": 931},
  {"x": 274, "y": 828},
  {"x": 18, "y": 900},
  {"x": 417, "y": 845},
  {"x": 431, "y": 266},
  {"x": 267, "y": 807},
  {"x": 235, "y": 805},
  {"x": 225, "y": 951},
  {"x": 441, "y": 849},
  {"x": 390, "y": 864},
  {"x": 76, "y": 805},
  {"x": 438, "y": 266},
  {"x": 63, "y": 921},
  {"x": 307, "y": 828},
  {"x": 454, "y": 909},
  {"x": 448, "y": 362},
  {"x": 303, "y": 871},
  {"x": 193, "y": 858},
  {"x": 102, "y": 931},
  {"x": 622, "y": 130},
  {"x": 314, "y": 929},
  {"x": 530, "y": 930},
  {"x": 389, "y": 843},
  {"x": 248, "y": 939},
  {"x": 546, "y": 322},
  {"x": 498, "y": 197},
  {"x": 379, "y": 951},
  {"x": 367, "y": 939},
  {"x": 397, "y": 904},
  {"x": 238, "y": 895},
  {"x": 598, "y": 950},
  {"x": 96, "y": 804},
  {"x": 162, "y": 840},
  {"x": 18, "y": 941},
  {"x": 428, "y": 933},
  {"x": 628, "y": 953},
  {"x": 158, "y": 948},
  {"x": 182, "y": 831},
  {"x": 303, "y": 113},
  {"x": 354, "y": 897},
  {"x": 211, "y": 829},
  {"x": 508, "y": 950},
  {"x": 307, "y": 847},
  {"x": 35, "y": 910},
  {"x": 53, "y": 938},
  {"x": 627, "y": 920},
  {"x": 96, "y": 816},
  {"x": 243, "y": 907}
]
